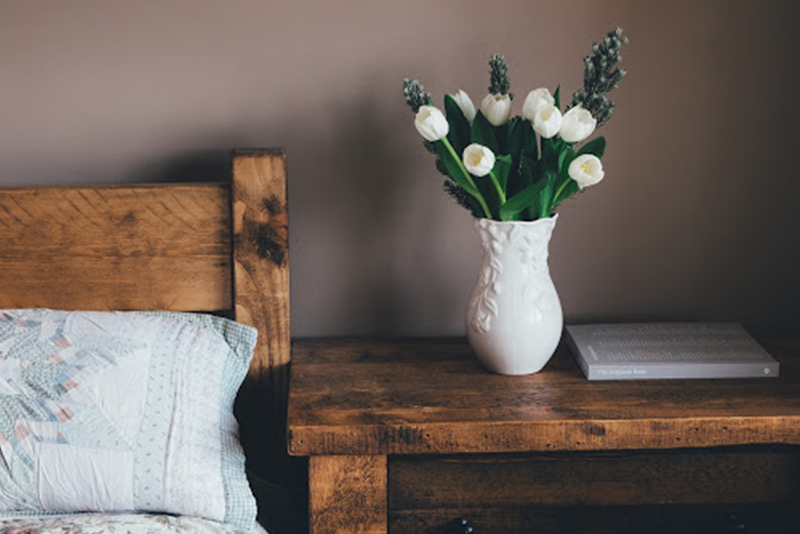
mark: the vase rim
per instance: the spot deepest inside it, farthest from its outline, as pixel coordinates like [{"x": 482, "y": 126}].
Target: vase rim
[{"x": 553, "y": 219}]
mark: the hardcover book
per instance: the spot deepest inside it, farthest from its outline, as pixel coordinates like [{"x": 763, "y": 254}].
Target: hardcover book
[{"x": 637, "y": 351}]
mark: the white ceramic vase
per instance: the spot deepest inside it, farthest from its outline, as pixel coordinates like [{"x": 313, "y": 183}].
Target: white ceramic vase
[{"x": 514, "y": 317}]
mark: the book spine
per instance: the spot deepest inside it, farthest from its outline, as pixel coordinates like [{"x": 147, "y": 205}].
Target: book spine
[
  {"x": 573, "y": 347},
  {"x": 645, "y": 372}
]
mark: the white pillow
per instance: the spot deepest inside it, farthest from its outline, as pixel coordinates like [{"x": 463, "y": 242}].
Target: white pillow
[{"x": 122, "y": 411}]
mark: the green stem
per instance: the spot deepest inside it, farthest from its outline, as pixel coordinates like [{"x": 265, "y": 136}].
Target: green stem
[
  {"x": 475, "y": 192},
  {"x": 560, "y": 190},
  {"x": 499, "y": 189}
]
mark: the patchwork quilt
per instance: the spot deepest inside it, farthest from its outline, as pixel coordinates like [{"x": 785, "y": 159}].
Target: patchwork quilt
[
  {"x": 118, "y": 524},
  {"x": 113, "y": 411}
]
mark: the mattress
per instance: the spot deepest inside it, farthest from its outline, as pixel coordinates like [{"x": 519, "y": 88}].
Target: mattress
[{"x": 116, "y": 523}]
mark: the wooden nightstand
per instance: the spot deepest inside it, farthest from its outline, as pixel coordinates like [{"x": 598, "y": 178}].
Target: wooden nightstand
[{"x": 404, "y": 436}]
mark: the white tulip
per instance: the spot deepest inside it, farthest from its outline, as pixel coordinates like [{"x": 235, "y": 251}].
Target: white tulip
[
  {"x": 578, "y": 124},
  {"x": 465, "y": 103},
  {"x": 536, "y": 99},
  {"x": 431, "y": 123},
  {"x": 586, "y": 170},
  {"x": 496, "y": 108},
  {"x": 547, "y": 121},
  {"x": 478, "y": 159}
]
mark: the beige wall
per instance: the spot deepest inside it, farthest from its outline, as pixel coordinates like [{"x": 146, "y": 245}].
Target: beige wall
[{"x": 696, "y": 219}]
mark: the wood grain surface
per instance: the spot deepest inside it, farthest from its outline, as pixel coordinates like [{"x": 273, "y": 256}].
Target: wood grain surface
[
  {"x": 347, "y": 495},
  {"x": 158, "y": 247},
  {"x": 261, "y": 257},
  {"x": 689, "y": 476},
  {"x": 773, "y": 518},
  {"x": 433, "y": 397},
  {"x": 686, "y": 490},
  {"x": 261, "y": 287}
]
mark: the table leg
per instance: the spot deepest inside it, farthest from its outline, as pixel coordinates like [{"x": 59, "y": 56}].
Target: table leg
[{"x": 347, "y": 495}]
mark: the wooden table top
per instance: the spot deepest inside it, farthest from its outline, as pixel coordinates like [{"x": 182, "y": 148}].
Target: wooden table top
[{"x": 432, "y": 396}]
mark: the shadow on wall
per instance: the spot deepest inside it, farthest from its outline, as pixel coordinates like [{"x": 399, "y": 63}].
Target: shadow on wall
[
  {"x": 352, "y": 202},
  {"x": 357, "y": 224},
  {"x": 197, "y": 166}
]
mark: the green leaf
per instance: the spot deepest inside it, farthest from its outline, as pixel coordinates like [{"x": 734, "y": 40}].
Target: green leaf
[
  {"x": 489, "y": 194},
  {"x": 502, "y": 165},
  {"x": 501, "y": 133},
  {"x": 546, "y": 197},
  {"x": 523, "y": 139},
  {"x": 515, "y": 136},
  {"x": 528, "y": 171},
  {"x": 530, "y": 147},
  {"x": 564, "y": 185},
  {"x": 570, "y": 189},
  {"x": 459, "y": 125},
  {"x": 483, "y": 133},
  {"x": 527, "y": 197},
  {"x": 561, "y": 157},
  {"x": 565, "y": 158},
  {"x": 557, "y": 97},
  {"x": 596, "y": 146},
  {"x": 520, "y": 137},
  {"x": 551, "y": 148},
  {"x": 452, "y": 166}
]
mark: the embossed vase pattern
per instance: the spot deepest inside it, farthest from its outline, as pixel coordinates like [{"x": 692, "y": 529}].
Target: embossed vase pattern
[{"x": 514, "y": 317}]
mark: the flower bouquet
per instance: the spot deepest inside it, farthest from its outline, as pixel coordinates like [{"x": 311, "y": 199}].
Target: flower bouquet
[
  {"x": 495, "y": 165},
  {"x": 512, "y": 174}
]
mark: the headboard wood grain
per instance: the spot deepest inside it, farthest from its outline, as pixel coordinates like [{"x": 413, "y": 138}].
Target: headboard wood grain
[
  {"x": 156, "y": 247},
  {"x": 261, "y": 299},
  {"x": 173, "y": 246}
]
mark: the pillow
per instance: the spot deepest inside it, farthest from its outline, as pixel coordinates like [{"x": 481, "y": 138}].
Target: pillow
[{"x": 122, "y": 411}]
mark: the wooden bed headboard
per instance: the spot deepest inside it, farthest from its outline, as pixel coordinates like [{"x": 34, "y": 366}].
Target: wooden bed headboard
[{"x": 210, "y": 247}]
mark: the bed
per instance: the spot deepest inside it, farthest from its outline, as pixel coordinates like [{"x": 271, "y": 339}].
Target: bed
[{"x": 142, "y": 255}]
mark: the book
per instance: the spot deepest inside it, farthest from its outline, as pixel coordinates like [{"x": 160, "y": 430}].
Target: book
[{"x": 636, "y": 351}]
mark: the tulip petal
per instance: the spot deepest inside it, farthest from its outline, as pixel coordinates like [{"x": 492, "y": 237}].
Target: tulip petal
[
  {"x": 535, "y": 100},
  {"x": 547, "y": 121},
  {"x": 431, "y": 123},
  {"x": 478, "y": 160},
  {"x": 459, "y": 125},
  {"x": 464, "y": 102},
  {"x": 577, "y": 125},
  {"x": 496, "y": 109},
  {"x": 586, "y": 170}
]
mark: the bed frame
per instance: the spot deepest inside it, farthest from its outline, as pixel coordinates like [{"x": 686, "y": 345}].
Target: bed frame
[{"x": 203, "y": 247}]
